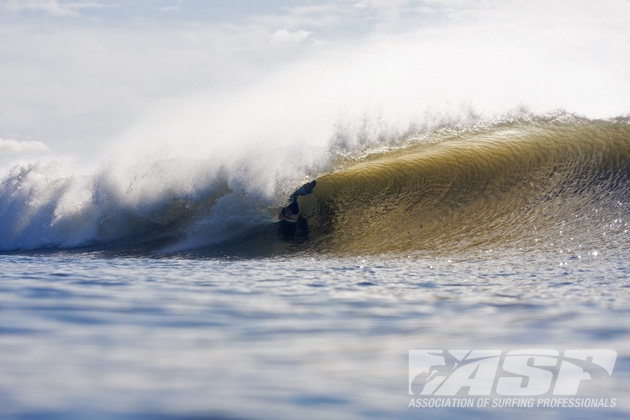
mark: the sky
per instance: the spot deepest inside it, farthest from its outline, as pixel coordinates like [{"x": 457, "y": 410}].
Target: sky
[{"x": 78, "y": 73}]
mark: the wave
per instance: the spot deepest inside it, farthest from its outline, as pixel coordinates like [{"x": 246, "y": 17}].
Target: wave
[
  {"x": 512, "y": 186},
  {"x": 523, "y": 183}
]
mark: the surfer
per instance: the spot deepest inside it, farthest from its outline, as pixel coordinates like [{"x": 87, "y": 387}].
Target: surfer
[{"x": 291, "y": 211}]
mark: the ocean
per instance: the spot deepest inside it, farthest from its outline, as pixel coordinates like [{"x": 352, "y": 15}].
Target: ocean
[
  {"x": 506, "y": 236},
  {"x": 464, "y": 253}
]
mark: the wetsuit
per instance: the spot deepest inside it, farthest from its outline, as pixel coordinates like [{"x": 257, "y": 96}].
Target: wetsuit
[{"x": 305, "y": 189}]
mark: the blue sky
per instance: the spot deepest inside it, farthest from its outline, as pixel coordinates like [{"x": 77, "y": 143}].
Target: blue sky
[
  {"x": 322, "y": 19},
  {"x": 122, "y": 12}
]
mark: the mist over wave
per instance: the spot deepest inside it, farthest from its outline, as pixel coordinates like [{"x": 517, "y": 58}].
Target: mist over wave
[{"x": 203, "y": 169}]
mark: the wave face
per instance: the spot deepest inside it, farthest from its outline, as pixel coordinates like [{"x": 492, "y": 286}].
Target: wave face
[
  {"x": 513, "y": 186},
  {"x": 522, "y": 184}
]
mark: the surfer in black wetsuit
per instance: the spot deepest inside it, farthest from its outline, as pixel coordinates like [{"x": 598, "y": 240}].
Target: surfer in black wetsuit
[{"x": 291, "y": 211}]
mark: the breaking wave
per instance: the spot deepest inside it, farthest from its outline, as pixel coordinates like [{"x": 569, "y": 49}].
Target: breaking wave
[{"x": 518, "y": 183}]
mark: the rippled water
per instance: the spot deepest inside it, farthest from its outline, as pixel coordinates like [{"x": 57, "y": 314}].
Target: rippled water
[{"x": 299, "y": 337}]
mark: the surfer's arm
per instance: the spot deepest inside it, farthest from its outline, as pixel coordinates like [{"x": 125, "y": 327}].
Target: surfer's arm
[{"x": 305, "y": 189}]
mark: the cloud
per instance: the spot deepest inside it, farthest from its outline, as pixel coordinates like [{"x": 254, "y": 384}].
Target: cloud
[
  {"x": 286, "y": 37},
  {"x": 52, "y": 7},
  {"x": 73, "y": 85},
  {"x": 26, "y": 146},
  {"x": 388, "y": 4},
  {"x": 169, "y": 8}
]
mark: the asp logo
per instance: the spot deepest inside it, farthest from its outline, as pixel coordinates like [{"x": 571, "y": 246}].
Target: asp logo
[{"x": 516, "y": 373}]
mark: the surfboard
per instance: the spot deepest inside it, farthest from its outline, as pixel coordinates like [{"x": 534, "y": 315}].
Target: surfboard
[{"x": 294, "y": 218}]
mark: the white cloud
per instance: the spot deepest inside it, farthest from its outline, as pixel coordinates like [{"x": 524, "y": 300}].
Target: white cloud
[
  {"x": 73, "y": 85},
  {"x": 53, "y": 7},
  {"x": 26, "y": 146},
  {"x": 286, "y": 37},
  {"x": 169, "y": 8},
  {"x": 380, "y": 3}
]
